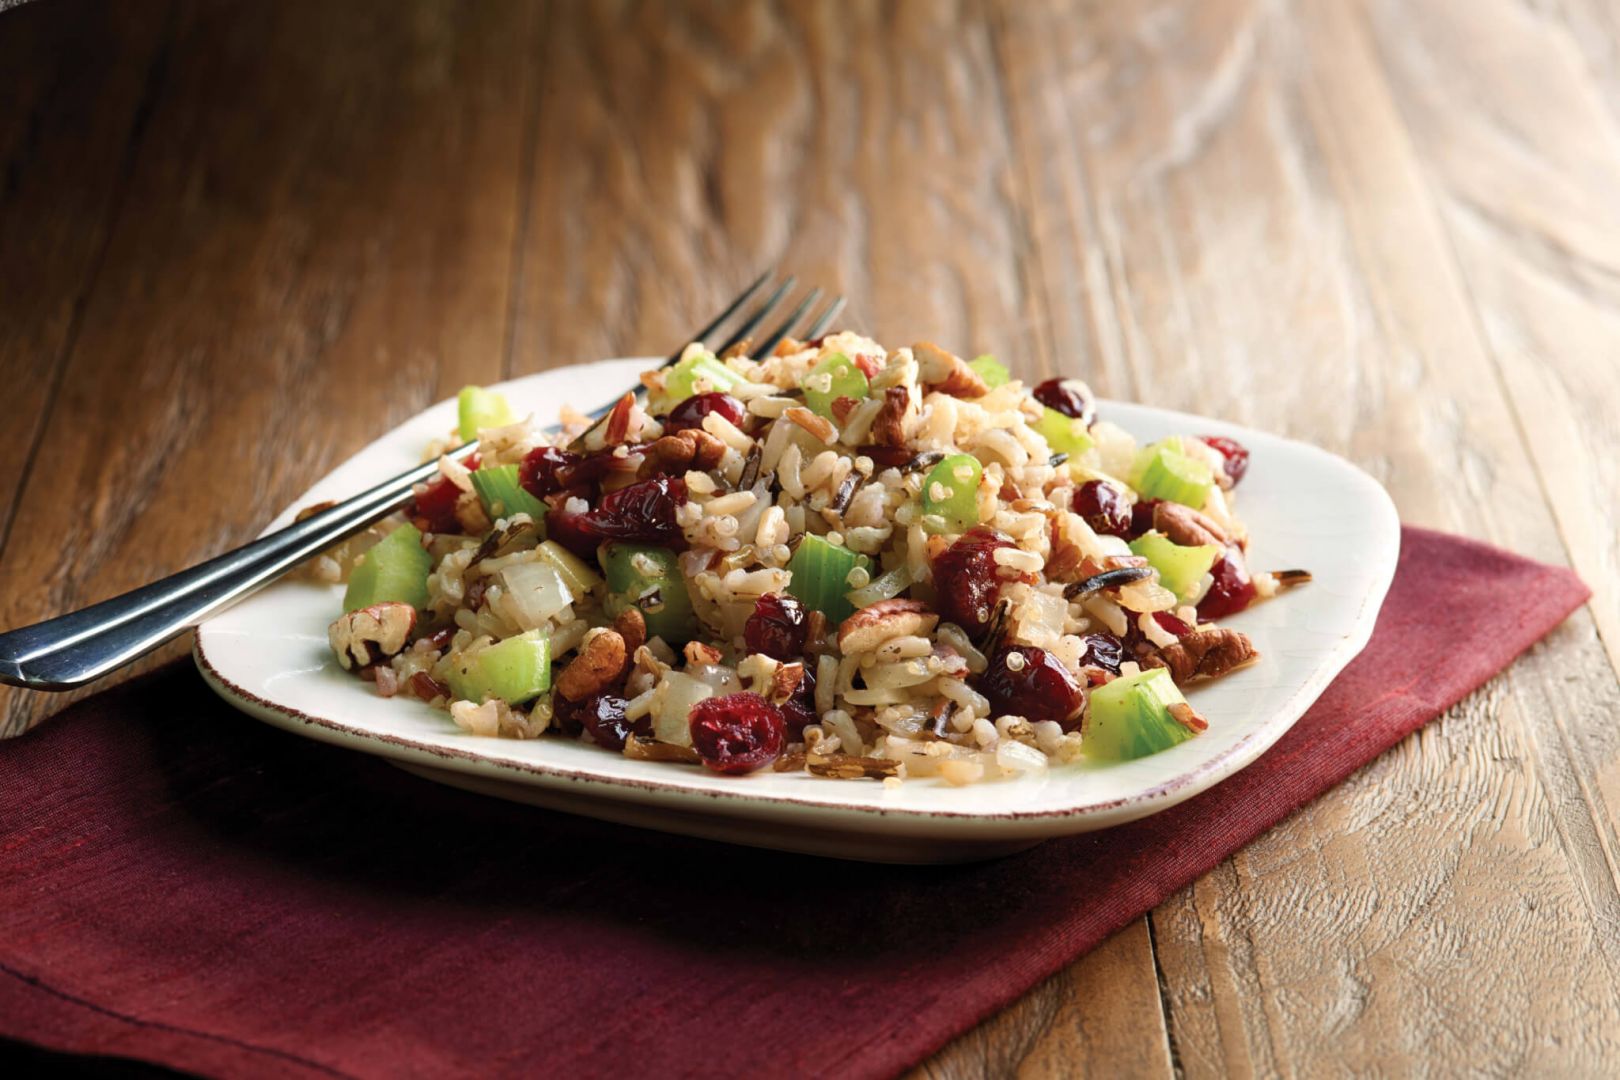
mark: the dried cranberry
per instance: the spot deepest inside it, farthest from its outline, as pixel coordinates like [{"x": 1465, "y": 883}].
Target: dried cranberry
[
  {"x": 690, "y": 413},
  {"x": 1232, "y": 589},
  {"x": 643, "y": 512},
  {"x": 1171, "y": 624},
  {"x": 573, "y": 531},
  {"x": 737, "y": 733},
  {"x": 1104, "y": 507},
  {"x": 799, "y": 709},
  {"x": 1029, "y": 682},
  {"x": 435, "y": 509},
  {"x": 1065, "y": 396},
  {"x": 603, "y": 717},
  {"x": 966, "y": 578},
  {"x": 538, "y": 474},
  {"x": 1141, "y": 517},
  {"x": 1235, "y": 456},
  {"x": 777, "y": 627},
  {"x": 1104, "y": 651}
]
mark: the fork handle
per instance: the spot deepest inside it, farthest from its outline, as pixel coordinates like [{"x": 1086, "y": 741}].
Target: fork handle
[{"x": 74, "y": 649}]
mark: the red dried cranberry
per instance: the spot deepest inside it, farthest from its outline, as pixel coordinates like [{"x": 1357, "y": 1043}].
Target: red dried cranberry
[
  {"x": 1103, "y": 650},
  {"x": 690, "y": 413},
  {"x": 573, "y": 531},
  {"x": 1104, "y": 507},
  {"x": 435, "y": 509},
  {"x": 1029, "y": 682},
  {"x": 603, "y": 717},
  {"x": 1235, "y": 456},
  {"x": 800, "y": 707},
  {"x": 1232, "y": 589},
  {"x": 643, "y": 512},
  {"x": 1065, "y": 396},
  {"x": 966, "y": 578},
  {"x": 1171, "y": 624},
  {"x": 538, "y": 474},
  {"x": 737, "y": 733},
  {"x": 777, "y": 627},
  {"x": 1141, "y": 517}
]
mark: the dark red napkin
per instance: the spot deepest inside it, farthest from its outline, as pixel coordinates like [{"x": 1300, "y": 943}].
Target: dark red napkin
[{"x": 184, "y": 885}]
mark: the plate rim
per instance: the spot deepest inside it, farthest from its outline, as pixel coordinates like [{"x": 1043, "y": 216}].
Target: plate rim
[{"x": 1141, "y": 803}]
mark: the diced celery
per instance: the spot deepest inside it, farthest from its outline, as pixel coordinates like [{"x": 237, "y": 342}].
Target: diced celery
[
  {"x": 1130, "y": 717},
  {"x": 498, "y": 489},
  {"x": 650, "y": 578},
  {"x": 992, "y": 371},
  {"x": 1064, "y": 434},
  {"x": 950, "y": 495},
  {"x": 1180, "y": 568},
  {"x": 576, "y": 573},
  {"x": 479, "y": 408},
  {"x": 515, "y": 670},
  {"x": 684, "y": 378},
  {"x": 820, "y": 579},
  {"x": 835, "y": 377},
  {"x": 1163, "y": 471},
  {"x": 395, "y": 570}
]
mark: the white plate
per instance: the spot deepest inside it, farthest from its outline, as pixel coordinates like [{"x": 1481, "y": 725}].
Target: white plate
[{"x": 1305, "y": 507}]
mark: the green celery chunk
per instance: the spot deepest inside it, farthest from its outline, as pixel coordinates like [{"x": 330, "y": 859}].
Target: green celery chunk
[
  {"x": 498, "y": 489},
  {"x": 992, "y": 371},
  {"x": 1180, "y": 568},
  {"x": 835, "y": 377},
  {"x": 650, "y": 578},
  {"x": 575, "y": 572},
  {"x": 515, "y": 670},
  {"x": 820, "y": 579},
  {"x": 395, "y": 570},
  {"x": 950, "y": 495},
  {"x": 1064, "y": 434},
  {"x": 1163, "y": 471},
  {"x": 683, "y": 379},
  {"x": 479, "y": 408},
  {"x": 1130, "y": 717}
]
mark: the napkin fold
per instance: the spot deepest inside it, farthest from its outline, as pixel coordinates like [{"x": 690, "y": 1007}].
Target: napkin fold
[{"x": 184, "y": 885}]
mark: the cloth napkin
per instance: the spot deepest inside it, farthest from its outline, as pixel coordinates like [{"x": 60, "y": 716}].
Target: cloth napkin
[{"x": 184, "y": 885}]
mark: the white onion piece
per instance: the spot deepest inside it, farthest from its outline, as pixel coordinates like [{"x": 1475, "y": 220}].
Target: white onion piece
[
  {"x": 535, "y": 593},
  {"x": 673, "y": 706}
]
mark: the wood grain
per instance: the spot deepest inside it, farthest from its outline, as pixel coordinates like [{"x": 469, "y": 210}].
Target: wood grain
[{"x": 1387, "y": 228}]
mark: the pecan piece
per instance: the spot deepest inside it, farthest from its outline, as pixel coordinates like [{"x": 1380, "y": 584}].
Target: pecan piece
[
  {"x": 888, "y": 428},
  {"x": 873, "y": 625},
  {"x": 785, "y": 680},
  {"x": 643, "y": 749},
  {"x": 597, "y": 667},
  {"x": 632, "y": 626},
  {"x": 946, "y": 373},
  {"x": 1204, "y": 654},
  {"x": 682, "y": 452},
  {"x": 1188, "y": 527},
  {"x": 850, "y": 767},
  {"x": 739, "y": 349},
  {"x": 372, "y": 634},
  {"x": 699, "y": 653}
]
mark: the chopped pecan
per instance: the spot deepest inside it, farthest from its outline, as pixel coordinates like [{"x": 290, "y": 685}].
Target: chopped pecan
[
  {"x": 618, "y": 421},
  {"x": 842, "y": 406},
  {"x": 785, "y": 680},
  {"x": 889, "y": 428},
  {"x": 850, "y": 767},
  {"x": 597, "y": 667},
  {"x": 644, "y": 749},
  {"x": 682, "y": 452},
  {"x": 946, "y": 373},
  {"x": 632, "y": 626},
  {"x": 1185, "y": 526},
  {"x": 739, "y": 349},
  {"x": 873, "y": 625},
  {"x": 792, "y": 761},
  {"x": 699, "y": 653},
  {"x": 815, "y": 636},
  {"x": 1204, "y": 654},
  {"x": 1066, "y": 561},
  {"x": 787, "y": 347},
  {"x": 371, "y": 634},
  {"x": 1188, "y": 717}
]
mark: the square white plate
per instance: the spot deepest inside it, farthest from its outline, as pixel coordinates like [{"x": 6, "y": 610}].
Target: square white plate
[{"x": 1305, "y": 507}]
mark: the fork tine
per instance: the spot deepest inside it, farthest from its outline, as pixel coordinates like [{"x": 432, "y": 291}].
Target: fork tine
[
  {"x": 774, "y": 338},
  {"x": 759, "y": 313},
  {"x": 731, "y": 309},
  {"x": 825, "y": 319}
]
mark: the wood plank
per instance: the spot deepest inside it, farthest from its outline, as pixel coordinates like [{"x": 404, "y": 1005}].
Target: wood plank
[
  {"x": 78, "y": 83},
  {"x": 1270, "y": 253},
  {"x": 316, "y": 243}
]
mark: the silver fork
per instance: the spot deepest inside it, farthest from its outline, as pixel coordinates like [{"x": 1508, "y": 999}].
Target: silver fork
[{"x": 74, "y": 649}]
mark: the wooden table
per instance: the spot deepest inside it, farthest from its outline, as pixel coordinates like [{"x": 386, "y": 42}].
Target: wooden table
[{"x": 238, "y": 242}]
